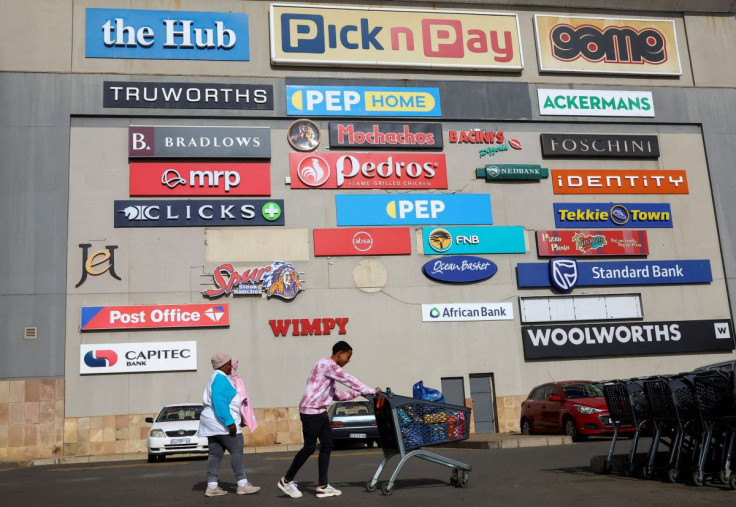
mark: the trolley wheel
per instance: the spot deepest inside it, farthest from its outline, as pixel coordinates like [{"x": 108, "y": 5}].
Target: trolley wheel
[
  {"x": 697, "y": 478},
  {"x": 605, "y": 468},
  {"x": 732, "y": 481},
  {"x": 723, "y": 477},
  {"x": 371, "y": 486},
  {"x": 645, "y": 473},
  {"x": 463, "y": 478},
  {"x": 386, "y": 489},
  {"x": 673, "y": 474},
  {"x": 627, "y": 468}
]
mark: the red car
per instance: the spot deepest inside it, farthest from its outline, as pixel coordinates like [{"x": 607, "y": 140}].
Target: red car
[{"x": 575, "y": 408}]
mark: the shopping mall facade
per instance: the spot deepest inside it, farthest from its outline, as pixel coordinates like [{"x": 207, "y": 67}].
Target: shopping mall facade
[{"x": 484, "y": 198}]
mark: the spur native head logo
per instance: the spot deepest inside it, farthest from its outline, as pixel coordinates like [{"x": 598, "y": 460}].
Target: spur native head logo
[
  {"x": 282, "y": 281},
  {"x": 563, "y": 274},
  {"x": 100, "y": 358},
  {"x": 313, "y": 171},
  {"x": 619, "y": 214},
  {"x": 440, "y": 240},
  {"x": 215, "y": 314}
]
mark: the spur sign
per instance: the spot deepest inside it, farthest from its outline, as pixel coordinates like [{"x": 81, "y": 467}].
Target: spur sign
[{"x": 279, "y": 279}]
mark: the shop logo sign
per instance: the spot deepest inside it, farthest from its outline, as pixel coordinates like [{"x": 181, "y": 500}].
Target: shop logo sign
[
  {"x": 612, "y": 181},
  {"x": 91, "y": 262},
  {"x": 459, "y": 269},
  {"x": 366, "y": 241},
  {"x": 307, "y": 327},
  {"x": 198, "y": 213},
  {"x": 599, "y": 146},
  {"x": 406, "y": 38},
  {"x": 512, "y": 172},
  {"x": 626, "y": 215},
  {"x": 474, "y": 240},
  {"x": 385, "y": 135},
  {"x": 563, "y": 273},
  {"x": 279, "y": 279},
  {"x": 303, "y": 135},
  {"x": 362, "y": 101},
  {"x": 368, "y": 170},
  {"x": 413, "y": 209},
  {"x": 154, "y": 316},
  {"x": 595, "y": 103},
  {"x": 170, "y": 95},
  {"x": 100, "y": 358},
  {"x": 198, "y": 142},
  {"x": 592, "y": 243},
  {"x": 199, "y": 179},
  {"x": 166, "y": 35},
  {"x": 463, "y": 312},
  {"x": 137, "y": 357}
]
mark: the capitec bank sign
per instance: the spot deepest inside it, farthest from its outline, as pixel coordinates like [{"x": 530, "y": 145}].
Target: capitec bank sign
[
  {"x": 166, "y": 35},
  {"x": 137, "y": 357}
]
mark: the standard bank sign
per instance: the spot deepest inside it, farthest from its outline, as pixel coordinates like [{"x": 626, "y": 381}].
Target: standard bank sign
[{"x": 166, "y": 35}]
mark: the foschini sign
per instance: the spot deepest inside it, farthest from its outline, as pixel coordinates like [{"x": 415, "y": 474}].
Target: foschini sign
[
  {"x": 599, "y": 146},
  {"x": 511, "y": 172}
]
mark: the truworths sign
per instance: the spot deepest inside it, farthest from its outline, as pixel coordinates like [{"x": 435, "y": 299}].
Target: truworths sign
[
  {"x": 595, "y": 103},
  {"x": 456, "y": 312}
]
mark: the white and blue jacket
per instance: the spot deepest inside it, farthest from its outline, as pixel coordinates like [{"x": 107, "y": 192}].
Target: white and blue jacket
[{"x": 221, "y": 406}]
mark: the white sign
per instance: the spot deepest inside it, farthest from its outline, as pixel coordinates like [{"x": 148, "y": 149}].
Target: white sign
[
  {"x": 595, "y": 103},
  {"x": 137, "y": 357},
  {"x": 454, "y": 312}
]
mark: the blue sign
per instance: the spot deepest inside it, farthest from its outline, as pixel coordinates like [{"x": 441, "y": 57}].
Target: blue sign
[
  {"x": 539, "y": 274},
  {"x": 474, "y": 240},
  {"x": 166, "y": 35},
  {"x": 459, "y": 269},
  {"x": 601, "y": 216},
  {"x": 199, "y": 212},
  {"x": 362, "y": 101},
  {"x": 413, "y": 209},
  {"x": 563, "y": 274}
]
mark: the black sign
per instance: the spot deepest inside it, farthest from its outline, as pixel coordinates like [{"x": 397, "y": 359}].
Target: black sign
[
  {"x": 385, "y": 135},
  {"x": 199, "y": 213},
  {"x": 591, "y": 145},
  {"x": 187, "y": 95},
  {"x": 626, "y": 339}
]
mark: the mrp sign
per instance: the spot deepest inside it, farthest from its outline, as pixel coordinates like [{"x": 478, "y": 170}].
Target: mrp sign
[
  {"x": 157, "y": 316},
  {"x": 362, "y": 101},
  {"x": 409, "y": 38},
  {"x": 413, "y": 209},
  {"x": 166, "y": 35}
]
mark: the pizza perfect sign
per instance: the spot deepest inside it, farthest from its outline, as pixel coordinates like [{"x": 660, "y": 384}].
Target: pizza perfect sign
[{"x": 154, "y": 316}]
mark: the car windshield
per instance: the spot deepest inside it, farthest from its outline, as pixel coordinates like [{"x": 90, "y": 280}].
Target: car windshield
[
  {"x": 180, "y": 413},
  {"x": 581, "y": 390},
  {"x": 348, "y": 409}
]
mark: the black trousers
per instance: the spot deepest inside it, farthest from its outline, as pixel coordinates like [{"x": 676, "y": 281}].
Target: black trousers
[{"x": 314, "y": 426}]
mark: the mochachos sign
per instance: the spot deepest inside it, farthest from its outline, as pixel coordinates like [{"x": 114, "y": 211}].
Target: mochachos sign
[
  {"x": 362, "y": 101},
  {"x": 166, "y": 35},
  {"x": 459, "y": 312},
  {"x": 170, "y": 95},
  {"x": 599, "y": 146},
  {"x": 199, "y": 213},
  {"x": 147, "y": 141},
  {"x": 459, "y": 269},
  {"x": 496, "y": 172},
  {"x": 407, "y": 38},
  {"x": 626, "y": 339},
  {"x": 626, "y": 215},
  {"x": 474, "y": 240},
  {"x": 137, "y": 357},
  {"x": 413, "y": 209},
  {"x": 385, "y": 135},
  {"x": 154, "y": 316},
  {"x": 595, "y": 103}
]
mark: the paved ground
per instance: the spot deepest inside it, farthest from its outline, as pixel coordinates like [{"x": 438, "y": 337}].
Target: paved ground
[{"x": 548, "y": 476}]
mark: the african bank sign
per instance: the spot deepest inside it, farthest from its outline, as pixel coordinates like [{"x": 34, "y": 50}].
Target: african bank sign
[{"x": 407, "y": 38}]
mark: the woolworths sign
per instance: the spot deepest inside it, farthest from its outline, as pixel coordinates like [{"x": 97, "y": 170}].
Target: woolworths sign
[{"x": 595, "y": 103}]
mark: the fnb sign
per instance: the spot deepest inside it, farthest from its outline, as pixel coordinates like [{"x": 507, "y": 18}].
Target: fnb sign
[
  {"x": 410, "y": 38},
  {"x": 199, "y": 178}
]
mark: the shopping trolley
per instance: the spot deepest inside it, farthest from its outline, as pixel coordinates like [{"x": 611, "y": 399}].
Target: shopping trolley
[{"x": 407, "y": 424}]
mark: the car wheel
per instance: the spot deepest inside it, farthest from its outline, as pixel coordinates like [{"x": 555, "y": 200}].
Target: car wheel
[
  {"x": 571, "y": 429},
  {"x": 526, "y": 427},
  {"x": 369, "y": 443},
  {"x": 152, "y": 458},
  {"x": 162, "y": 457}
]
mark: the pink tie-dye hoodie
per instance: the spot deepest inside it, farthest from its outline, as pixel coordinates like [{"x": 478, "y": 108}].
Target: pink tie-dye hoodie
[{"x": 320, "y": 390}]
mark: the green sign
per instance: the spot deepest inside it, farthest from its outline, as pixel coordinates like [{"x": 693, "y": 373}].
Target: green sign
[{"x": 512, "y": 172}]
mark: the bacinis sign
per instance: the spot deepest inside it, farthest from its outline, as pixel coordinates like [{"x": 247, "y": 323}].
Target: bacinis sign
[
  {"x": 385, "y": 135},
  {"x": 599, "y": 146},
  {"x": 362, "y": 241},
  {"x": 198, "y": 213},
  {"x": 198, "y": 142},
  {"x": 368, "y": 170},
  {"x": 187, "y": 95},
  {"x": 199, "y": 178}
]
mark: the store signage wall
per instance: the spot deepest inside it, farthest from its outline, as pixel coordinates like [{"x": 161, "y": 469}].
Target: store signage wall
[
  {"x": 497, "y": 172},
  {"x": 595, "y": 103},
  {"x": 360, "y": 171},
  {"x": 148, "y": 357},
  {"x": 309, "y": 327},
  {"x": 171, "y": 95},
  {"x": 280, "y": 279},
  {"x": 199, "y": 213},
  {"x": 624, "y": 181},
  {"x": 199, "y": 179},
  {"x": 362, "y": 101},
  {"x": 406, "y": 38},
  {"x": 96, "y": 318},
  {"x": 626, "y": 339},
  {"x": 459, "y": 269},
  {"x": 589, "y": 274},
  {"x": 474, "y": 240},
  {"x": 600, "y": 216},
  {"x": 413, "y": 209},
  {"x": 166, "y": 35},
  {"x": 362, "y": 241},
  {"x": 607, "y": 45},
  {"x": 591, "y": 243},
  {"x": 198, "y": 142},
  {"x": 460, "y": 312},
  {"x": 386, "y": 135},
  {"x": 97, "y": 262},
  {"x": 599, "y": 146}
]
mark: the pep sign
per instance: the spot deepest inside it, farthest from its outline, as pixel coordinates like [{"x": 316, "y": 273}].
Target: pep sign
[{"x": 362, "y": 101}]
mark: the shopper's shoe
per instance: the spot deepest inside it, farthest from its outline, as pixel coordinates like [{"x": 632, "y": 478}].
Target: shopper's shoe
[
  {"x": 248, "y": 489},
  {"x": 328, "y": 491},
  {"x": 290, "y": 488},
  {"x": 218, "y": 491}
]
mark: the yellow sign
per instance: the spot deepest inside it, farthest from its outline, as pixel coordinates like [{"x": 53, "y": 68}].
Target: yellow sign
[
  {"x": 409, "y": 38},
  {"x": 607, "y": 45}
]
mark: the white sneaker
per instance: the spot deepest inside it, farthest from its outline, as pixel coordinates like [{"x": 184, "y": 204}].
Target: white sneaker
[
  {"x": 289, "y": 488},
  {"x": 328, "y": 491},
  {"x": 218, "y": 491}
]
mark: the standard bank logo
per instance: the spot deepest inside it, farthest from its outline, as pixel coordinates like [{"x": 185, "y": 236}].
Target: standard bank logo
[
  {"x": 563, "y": 273},
  {"x": 362, "y": 101},
  {"x": 100, "y": 358}
]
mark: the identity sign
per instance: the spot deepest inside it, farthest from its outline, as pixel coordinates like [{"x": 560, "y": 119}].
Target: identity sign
[
  {"x": 137, "y": 357},
  {"x": 362, "y": 101},
  {"x": 154, "y": 316},
  {"x": 474, "y": 240},
  {"x": 623, "y": 181}
]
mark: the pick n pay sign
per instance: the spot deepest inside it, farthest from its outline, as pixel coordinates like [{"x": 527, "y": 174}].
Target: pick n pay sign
[
  {"x": 362, "y": 101},
  {"x": 413, "y": 209}
]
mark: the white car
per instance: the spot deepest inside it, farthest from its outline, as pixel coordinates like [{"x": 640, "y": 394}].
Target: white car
[{"x": 175, "y": 432}]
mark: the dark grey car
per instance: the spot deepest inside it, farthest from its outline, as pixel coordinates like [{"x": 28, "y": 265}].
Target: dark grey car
[{"x": 354, "y": 421}]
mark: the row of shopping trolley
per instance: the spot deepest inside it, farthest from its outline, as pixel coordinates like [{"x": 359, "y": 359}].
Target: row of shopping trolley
[{"x": 691, "y": 418}]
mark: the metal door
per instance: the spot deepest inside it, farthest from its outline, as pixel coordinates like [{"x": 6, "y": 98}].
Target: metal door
[
  {"x": 454, "y": 390},
  {"x": 481, "y": 392}
]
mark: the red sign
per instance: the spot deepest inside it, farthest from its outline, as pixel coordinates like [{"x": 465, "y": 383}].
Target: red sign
[
  {"x": 154, "y": 316},
  {"x": 615, "y": 181},
  {"x": 366, "y": 241},
  {"x": 307, "y": 327},
  {"x": 359, "y": 171},
  {"x": 592, "y": 243},
  {"x": 199, "y": 178}
]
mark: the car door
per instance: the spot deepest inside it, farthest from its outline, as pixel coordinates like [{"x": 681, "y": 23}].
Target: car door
[
  {"x": 551, "y": 409},
  {"x": 533, "y": 408}
]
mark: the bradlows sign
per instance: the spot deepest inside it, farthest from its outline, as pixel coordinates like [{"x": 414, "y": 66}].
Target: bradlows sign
[
  {"x": 307, "y": 327},
  {"x": 137, "y": 357},
  {"x": 362, "y": 241},
  {"x": 198, "y": 142},
  {"x": 599, "y": 146},
  {"x": 626, "y": 339},
  {"x": 595, "y": 103},
  {"x": 199, "y": 178},
  {"x": 368, "y": 170},
  {"x": 198, "y": 213},
  {"x": 385, "y": 135},
  {"x": 171, "y": 95},
  {"x": 154, "y": 316}
]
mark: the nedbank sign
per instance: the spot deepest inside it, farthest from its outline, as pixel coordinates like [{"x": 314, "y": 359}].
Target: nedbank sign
[
  {"x": 511, "y": 172},
  {"x": 595, "y": 103}
]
